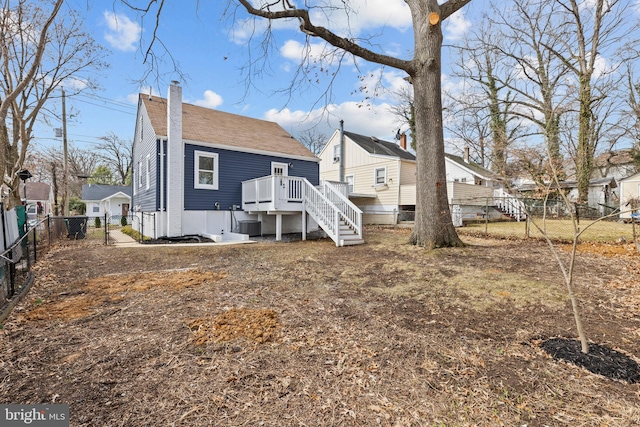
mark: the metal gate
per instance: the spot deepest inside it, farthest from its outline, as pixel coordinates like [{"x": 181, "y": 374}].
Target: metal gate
[{"x": 116, "y": 229}]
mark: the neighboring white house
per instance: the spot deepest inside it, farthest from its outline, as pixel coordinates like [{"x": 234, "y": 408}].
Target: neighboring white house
[
  {"x": 381, "y": 178},
  {"x": 629, "y": 194},
  {"x": 114, "y": 200},
  {"x": 617, "y": 164},
  {"x": 39, "y": 197}
]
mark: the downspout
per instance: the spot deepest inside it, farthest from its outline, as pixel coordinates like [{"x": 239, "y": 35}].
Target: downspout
[
  {"x": 161, "y": 177},
  {"x": 341, "y": 172}
]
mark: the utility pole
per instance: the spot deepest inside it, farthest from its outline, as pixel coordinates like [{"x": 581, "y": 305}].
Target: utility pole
[{"x": 65, "y": 178}]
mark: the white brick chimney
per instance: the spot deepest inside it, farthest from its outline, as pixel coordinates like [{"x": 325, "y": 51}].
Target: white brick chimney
[{"x": 175, "y": 161}]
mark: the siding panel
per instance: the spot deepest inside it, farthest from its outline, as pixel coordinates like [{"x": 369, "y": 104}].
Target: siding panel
[
  {"x": 235, "y": 167},
  {"x": 145, "y": 144}
]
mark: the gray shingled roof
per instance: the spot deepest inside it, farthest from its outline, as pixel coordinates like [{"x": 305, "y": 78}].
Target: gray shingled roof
[
  {"x": 100, "y": 192},
  {"x": 476, "y": 169},
  {"x": 374, "y": 145}
]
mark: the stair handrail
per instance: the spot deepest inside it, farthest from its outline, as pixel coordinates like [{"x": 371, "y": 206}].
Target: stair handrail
[
  {"x": 511, "y": 204},
  {"x": 350, "y": 213},
  {"x": 322, "y": 210}
]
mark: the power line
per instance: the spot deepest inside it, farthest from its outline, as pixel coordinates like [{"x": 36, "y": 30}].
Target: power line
[
  {"x": 107, "y": 100},
  {"x": 108, "y": 108}
]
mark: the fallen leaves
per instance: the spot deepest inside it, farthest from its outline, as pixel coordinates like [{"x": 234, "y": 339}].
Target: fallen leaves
[
  {"x": 114, "y": 288},
  {"x": 257, "y": 325}
]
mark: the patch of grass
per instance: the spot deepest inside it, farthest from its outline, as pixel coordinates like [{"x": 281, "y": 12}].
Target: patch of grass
[
  {"x": 557, "y": 229},
  {"x": 488, "y": 287},
  {"x": 133, "y": 233}
]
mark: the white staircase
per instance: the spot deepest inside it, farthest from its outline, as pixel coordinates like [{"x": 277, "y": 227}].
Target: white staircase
[
  {"x": 509, "y": 205},
  {"x": 334, "y": 213}
]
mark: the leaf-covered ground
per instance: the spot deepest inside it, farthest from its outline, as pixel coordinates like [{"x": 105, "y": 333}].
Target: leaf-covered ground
[{"x": 304, "y": 333}]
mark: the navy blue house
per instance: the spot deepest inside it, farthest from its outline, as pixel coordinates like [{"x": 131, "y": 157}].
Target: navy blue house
[{"x": 198, "y": 171}]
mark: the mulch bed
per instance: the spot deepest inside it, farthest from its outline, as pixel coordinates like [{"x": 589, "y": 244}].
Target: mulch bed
[{"x": 600, "y": 360}]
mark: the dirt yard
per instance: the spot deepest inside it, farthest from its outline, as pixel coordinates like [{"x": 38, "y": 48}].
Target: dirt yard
[{"x": 307, "y": 334}]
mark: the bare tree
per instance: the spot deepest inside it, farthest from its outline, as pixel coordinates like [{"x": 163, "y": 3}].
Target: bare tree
[
  {"x": 404, "y": 110},
  {"x": 313, "y": 140},
  {"x": 48, "y": 166},
  {"x": 433, "y": 223},
  {"x": 596, "y": 30},
  {"x": 117, "y": 155},
  {"x": 41, "y": 50}
]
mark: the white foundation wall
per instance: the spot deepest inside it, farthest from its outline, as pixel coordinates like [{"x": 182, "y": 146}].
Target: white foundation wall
[
  {"x": 220, "y": 223},
  {"x": 290, "y": 223},
  {"x": 211, "y": 222}
]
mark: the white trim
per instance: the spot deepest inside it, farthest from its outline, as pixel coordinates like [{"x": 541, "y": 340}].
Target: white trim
[
  {"x": 353, "y": 182},
  {"x": 139, "y": 174},
  {"x": 251, "y": 150},
  {"x": 283, "y": 166},
  {"x": 196, "y": 170},
  {"x": 148, "y": 170}
]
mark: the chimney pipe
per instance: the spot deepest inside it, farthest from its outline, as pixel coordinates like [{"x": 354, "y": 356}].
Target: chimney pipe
[
  {"x": 466, "y": 154},
  {"x": 403, "y": 141}
]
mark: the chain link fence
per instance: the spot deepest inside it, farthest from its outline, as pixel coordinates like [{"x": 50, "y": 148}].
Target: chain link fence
[{"x": 555, "y": 219}]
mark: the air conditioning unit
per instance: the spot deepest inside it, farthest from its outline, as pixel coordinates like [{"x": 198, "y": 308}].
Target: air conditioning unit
[
  {"x": 252, "y": 228},
  {"x": 336, "y": 159}
]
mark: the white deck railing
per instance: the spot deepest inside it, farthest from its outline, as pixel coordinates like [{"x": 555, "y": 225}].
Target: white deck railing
[
  {"x": 351, "y": 214},
  {"x": 327, "y": 205},
  {"x": 272, "y": 193}
]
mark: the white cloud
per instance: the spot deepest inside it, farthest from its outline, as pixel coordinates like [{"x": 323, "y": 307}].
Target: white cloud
[
  {"x": 122, "y": 33},
  {"x": 210, "y": 100},
  {"x": 363, "y": 15},
  {"x": 374, "y": 120},
  {"x": 456, "y": 25},
  {"x": 321, "y": 54}
]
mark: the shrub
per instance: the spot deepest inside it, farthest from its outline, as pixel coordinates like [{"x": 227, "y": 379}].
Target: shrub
[
  {"x": 123, "y": 221},
  {"x": 97, "y": 222}
]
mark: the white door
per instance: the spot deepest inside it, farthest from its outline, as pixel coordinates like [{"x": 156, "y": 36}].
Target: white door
[{"x": 280, "y": 170}]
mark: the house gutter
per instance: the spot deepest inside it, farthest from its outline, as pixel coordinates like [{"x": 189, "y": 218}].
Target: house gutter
[{"x": 341, "y": 171}]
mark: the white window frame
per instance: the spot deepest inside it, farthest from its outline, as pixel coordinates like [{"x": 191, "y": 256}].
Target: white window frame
[
  {"x": 148, "y": 170},
  {"x": 375, "y": 176},
  {"x": 336, "y": 153},
  {"x": 279, "y": 165},
  {"x": 139, "y": 174},
  {"x": 196, "y": 170}
]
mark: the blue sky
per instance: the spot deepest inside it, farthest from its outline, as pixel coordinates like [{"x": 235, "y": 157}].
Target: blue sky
[{"x": 212, "y": 53}]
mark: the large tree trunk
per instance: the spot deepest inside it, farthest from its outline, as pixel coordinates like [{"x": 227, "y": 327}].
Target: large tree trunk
[{"x": 433, "y": 225}]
